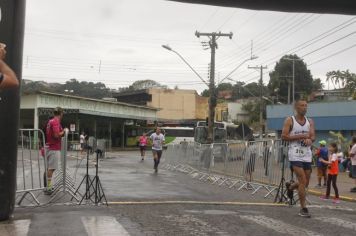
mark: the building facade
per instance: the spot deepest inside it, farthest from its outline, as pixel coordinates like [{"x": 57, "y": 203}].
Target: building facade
[
  {"x": 98, "y": 118},
  {"x": 339, "y": 116}
]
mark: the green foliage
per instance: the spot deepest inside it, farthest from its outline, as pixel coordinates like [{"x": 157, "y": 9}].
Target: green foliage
[
  {"x": 282, "y": 76},
  {"x": 239, "y": 90},
  {"x": 317, "y": 85},
  {"x": 338, "y": 138},
  {"x": 253, "y": 109},
  {"x": 145, "y": 84},
  {"x": 344, "y": 79},
  {"x": 72, "y": 87}
]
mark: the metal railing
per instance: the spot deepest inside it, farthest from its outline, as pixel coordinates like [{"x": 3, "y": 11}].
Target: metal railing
[
  {"x": 32, "y": 170},
  {"x": 31, "y": 166},
  {"x": 252, "y": 166}
]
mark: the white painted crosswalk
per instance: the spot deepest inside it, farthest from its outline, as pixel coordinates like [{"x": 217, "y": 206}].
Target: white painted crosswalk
[
  {"x": 338, "y": 222},
  {"x": 110, "y": 225},
  {"x": 15, "y": 228},
  {"x": 103, "y": 225},
  {"x": 278, "y": 225}
]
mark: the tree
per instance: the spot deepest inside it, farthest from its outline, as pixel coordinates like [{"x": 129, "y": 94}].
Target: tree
[
  {"x": 281, "y": 78},
  {"x": 145, "y": 84},
  {"x": 317, "y": 85},
  {"x": 344, "y": 79}
]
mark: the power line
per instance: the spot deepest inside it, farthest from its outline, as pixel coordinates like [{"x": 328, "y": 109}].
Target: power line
[{"x": 332, "y": 55}]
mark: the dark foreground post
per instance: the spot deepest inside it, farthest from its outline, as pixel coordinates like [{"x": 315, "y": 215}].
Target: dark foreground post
[{"x": 12, "y": 34}]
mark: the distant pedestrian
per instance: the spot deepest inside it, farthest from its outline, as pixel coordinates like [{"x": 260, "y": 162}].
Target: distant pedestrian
[
  {"x": 352, "y": 154},
  {"x": 54, "y": 133},
  {"x": 82, "y": 139},
  {"x": 8, "y": 77},
  {"x": 142, "y": 142},
  {"x": 333, "y": 171},
  {"x": 157, "y": 146},
  {"x": 299, "y": 131},
  {"x": 321, "y": 154}
]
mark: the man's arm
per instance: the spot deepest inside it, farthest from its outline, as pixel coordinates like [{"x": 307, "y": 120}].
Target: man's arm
[
  {"x": 9, "y": 79},
  {"x": 286, "y": 132}
]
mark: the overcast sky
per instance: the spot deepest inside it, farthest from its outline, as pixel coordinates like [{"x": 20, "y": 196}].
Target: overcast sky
[{"x": 119, "y": 41}]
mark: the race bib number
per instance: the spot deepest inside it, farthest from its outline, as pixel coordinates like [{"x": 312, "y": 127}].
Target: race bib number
[{"x": 300, "y": 151}]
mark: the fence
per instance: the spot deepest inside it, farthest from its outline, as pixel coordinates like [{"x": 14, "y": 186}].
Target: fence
[
  {"x": 243, "y": 165},
  {"x": 32, "y": 171}
]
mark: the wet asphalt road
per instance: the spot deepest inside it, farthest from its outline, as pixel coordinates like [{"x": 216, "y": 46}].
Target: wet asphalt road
[{"x": 141, "y": 204}]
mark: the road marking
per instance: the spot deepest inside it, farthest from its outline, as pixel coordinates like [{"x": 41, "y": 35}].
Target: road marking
[
  {"x": 278, "y": 225},
  {"x": 332, "y": 207},
  {"x": 199, "y": 203},
  {"x": 103, "y": 225},
  {"x": 15, "y": 228},
  {"x": 194, "y": 225},
  {"x": 338, "y": 222}
]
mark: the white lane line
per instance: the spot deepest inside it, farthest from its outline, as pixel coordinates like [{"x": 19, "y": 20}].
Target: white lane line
[
  {"x": 278, "y": 226},
  {"x": 332, "y": 207},
  {"x": 103, "y": 225},
  {"x": 338, "y": 222},
  {"x": 15, "y": 228},
  {"x": 191, "y": 224}
]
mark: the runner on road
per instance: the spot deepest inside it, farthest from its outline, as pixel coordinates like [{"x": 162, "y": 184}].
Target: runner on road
[
  {"x": 157, "y": 142},
  {"x": 143, "y": 143},
  {"x": 299, "y": 131}
]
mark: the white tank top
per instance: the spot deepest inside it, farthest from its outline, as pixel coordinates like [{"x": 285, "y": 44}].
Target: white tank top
[{"x": 297, "y": 150}]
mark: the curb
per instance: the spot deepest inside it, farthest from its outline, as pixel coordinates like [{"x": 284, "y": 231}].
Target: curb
[
  {"x": 344, "y": 198},
  {"x": 197, "y": 202}
]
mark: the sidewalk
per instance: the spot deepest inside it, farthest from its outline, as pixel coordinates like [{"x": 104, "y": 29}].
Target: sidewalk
[{"x": 344, "y": 184}]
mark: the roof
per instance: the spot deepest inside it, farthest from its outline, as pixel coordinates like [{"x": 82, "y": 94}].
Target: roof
[
  {"x": 313, "y": 6},
  {"x": 93, "y": 99}
]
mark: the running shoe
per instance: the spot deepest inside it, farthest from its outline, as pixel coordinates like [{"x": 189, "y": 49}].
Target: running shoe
[
  {"x": 304, "y": 213},
  {"x": 336, "y": 200},
  {"x": 324, "y": 197}
]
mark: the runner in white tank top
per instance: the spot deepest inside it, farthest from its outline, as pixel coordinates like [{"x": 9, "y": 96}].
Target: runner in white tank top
[
  {"x": 298, "y": 151},
  {"x": 299, "y": 131}
]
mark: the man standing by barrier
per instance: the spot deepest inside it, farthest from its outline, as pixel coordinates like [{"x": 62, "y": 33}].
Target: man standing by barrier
[
  {"x": 157, "y": 142},
  {"x": 299, "y": 131},
  {"x": 54, "y": 133}
]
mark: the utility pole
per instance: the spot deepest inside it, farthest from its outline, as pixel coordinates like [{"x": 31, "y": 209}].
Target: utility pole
[
  {"x": 293, "y": 73},
  {"x": 212, "y": 99},
  {"x": 261, "y": 68}
]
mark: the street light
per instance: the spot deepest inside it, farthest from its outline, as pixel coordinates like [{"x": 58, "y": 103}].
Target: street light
[
  {"x": 196, "y": 73},
  {"x": 253, "y": 57}
]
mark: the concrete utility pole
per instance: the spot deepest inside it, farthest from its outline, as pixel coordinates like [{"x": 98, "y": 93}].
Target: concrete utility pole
[
  {"x": 212, "y": 99},
  {"x": 12, "y": 27},
  {"x": 261, "y": 95},
  {"x": 293, "y": 75}
]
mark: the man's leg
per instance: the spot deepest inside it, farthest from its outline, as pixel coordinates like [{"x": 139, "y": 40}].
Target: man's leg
[
  {"x": 319, "y": 174},
  {"x": 300, "y": 185},
  {"x": 159, "y": 154},
  {"x": 155, "y": 158},
  {"x": 307, "y": 175},
  {"x": 325, "y": 175},
  {"x": 49, "y": 178}
]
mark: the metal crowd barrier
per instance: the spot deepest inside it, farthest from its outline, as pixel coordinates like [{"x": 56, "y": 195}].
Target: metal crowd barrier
[
  {"x": 252, "y": 166},
  {"x": 31, "y": 171},
  {"x": 64, "y": 181}
]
